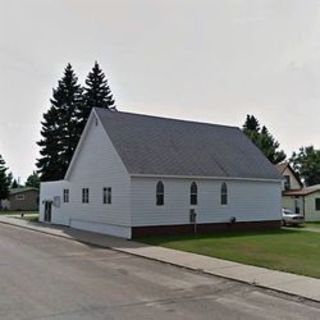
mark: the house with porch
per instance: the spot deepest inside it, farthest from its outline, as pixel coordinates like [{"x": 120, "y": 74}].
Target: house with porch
[{"x": 297, "y": 197}]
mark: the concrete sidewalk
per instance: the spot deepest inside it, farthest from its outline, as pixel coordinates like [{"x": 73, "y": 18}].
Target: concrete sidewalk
[{"x": 301, "y": 286}]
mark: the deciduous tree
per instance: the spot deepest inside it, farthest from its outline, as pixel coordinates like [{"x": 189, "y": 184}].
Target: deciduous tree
[{"x": 306, "y": 162}]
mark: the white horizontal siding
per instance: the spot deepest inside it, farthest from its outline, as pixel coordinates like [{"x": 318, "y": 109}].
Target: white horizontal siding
[
  {"x": 48, "y": 191},
  {"x": 311, "y": 214},
  {"x": 97, "y": 166},
  {"x": 247, "y": 201}
]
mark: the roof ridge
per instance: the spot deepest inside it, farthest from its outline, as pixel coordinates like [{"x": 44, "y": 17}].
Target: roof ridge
[{"x": 168, "y": 118}]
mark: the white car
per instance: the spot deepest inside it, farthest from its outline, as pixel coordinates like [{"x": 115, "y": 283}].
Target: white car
[{"x": 291, "y": 218}]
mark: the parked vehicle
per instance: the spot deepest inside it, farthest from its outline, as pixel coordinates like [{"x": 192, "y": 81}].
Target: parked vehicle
[{"x": 291, "y": 218}]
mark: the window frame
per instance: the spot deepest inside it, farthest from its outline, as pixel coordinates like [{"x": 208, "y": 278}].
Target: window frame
[
  {"x": 160, "y": 193},
  {"x": 297, "y": 202},
  {"x": 317, "y": 204},
  {"x": 107, "y": 195},
  {"x": 85, "y": 195},
  {"x": 287, "y": 182},
  {"x": 224, "y": 194},
  {"x": 193, "y": 194},
  {"x": 66, "y": 195}
]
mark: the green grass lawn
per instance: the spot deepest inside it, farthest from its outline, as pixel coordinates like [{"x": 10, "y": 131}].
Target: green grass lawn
[
  {"x": 5, "y": 212},
  {"x": 287, "y": 250},
  {"x": 32, "y": 216},
  {"x": 315, "y": 224}
]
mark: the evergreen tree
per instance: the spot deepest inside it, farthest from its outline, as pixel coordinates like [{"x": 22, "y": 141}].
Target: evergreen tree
[
  {"x": 10, "y": 178},
  {"x": 97, "y": 92},
  {"x": 61, "y": 127},
  {"x": 15, "y": 184},
  {"x": 251, "y": 124},
  {"x": 4, "y": 180},
  {"x": 262, "y": 138},
  {"x": 33, "y": 180}
]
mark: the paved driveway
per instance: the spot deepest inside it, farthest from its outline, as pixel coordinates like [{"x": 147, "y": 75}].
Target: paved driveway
[{"x": 44, "y": 277}]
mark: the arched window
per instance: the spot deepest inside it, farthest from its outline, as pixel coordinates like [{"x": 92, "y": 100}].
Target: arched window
[
  {"x": 224, "y": 194},
  {"x": 160, "y": 194},
  {"x": 193, "y": 194}
]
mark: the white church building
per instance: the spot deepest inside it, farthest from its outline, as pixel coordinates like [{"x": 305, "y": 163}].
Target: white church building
[{"x": 134, "y": 175}]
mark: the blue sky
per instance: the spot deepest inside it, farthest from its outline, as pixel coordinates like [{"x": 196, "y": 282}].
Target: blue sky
[{"x": 212, "y": 61}]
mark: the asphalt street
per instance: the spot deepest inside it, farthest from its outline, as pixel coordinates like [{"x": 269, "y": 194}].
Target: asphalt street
[{"x": 45, "y": 277}]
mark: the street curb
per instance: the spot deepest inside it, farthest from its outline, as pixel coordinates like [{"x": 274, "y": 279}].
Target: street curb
[{"x": 300, "y": 297}]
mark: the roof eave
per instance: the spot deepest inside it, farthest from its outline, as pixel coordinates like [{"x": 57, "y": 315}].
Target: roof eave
[{"x": 142, "y": 175}]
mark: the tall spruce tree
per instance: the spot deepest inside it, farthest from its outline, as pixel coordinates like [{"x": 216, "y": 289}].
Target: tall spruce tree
[
  {"x": 97, "y": 92},
  {"x": 263, "y": 139},
  {"x": 15, "y": 184},
  {"x": 61, "y": 127},
  {"x": 4, "y": 180},
  {"x": 10, "y": 178},
  {"x": 251, "y": 124}
]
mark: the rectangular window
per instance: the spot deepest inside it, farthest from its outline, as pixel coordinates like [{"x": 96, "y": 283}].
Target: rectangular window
[
  {"x": 287, "y": 183},
  {"x": 65, "y": 195},
  {"x": 107, "y": 195},
  {"x": 297, "y": 205},
  {"x": 317, "y": 204},
  {"x": 20, "y": 197},
  {"x": 85, "y": 195}
]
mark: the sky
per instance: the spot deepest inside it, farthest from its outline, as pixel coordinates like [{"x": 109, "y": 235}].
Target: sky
[{"x": 204, "y": 60}]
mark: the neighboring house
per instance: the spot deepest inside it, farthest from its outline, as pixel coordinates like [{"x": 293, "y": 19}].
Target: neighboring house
[
  {"x": 290, "y": 180},
  {"x": 300, "y": 199},
  {"x": 22, "y": 199},
  {"x": 134, "y": 175}
]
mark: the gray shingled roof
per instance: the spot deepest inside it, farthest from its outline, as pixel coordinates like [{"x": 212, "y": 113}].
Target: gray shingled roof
[{"x": 159, "y": 146}]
